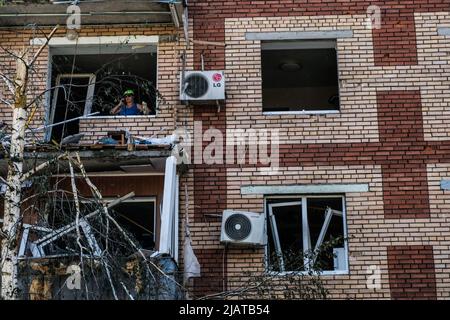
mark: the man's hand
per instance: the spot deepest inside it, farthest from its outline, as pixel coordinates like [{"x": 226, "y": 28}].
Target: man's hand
[
  {"x": 144, "y": 108},
  {"x": 116, "y": 109}
]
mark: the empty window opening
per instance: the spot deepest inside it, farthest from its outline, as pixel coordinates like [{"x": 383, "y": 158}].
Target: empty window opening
[
  {"x": 113, "y": 75},
  {"x": 138, "y": 218},
  {"x": 306, "y": 233},
  {"x": 299, "y": 76},
  {"x": 59, "y": 215}
]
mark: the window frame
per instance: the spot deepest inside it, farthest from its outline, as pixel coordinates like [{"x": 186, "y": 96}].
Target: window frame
[
  {"x": 292, "y": 199},
  {"x": 143, "y": 199},
  {"x": 27, "y": 227},
  {"x": 89, "y": 96},
  {"x": 290, "y": 44},
  {"x": 134, "y": 199},
  {"x": 59, "y": 46}
]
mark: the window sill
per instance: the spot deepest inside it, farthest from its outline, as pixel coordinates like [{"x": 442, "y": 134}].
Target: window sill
[
  {"x": 120, "y": 117},
  {"x": 312, "y": 112},
  {"x": 305, "y": 273}
]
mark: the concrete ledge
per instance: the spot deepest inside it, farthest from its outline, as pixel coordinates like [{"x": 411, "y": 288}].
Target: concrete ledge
[
  {"x": 299, "y": 35},
  {"x": 102, "y": 40},
  {"x": 445, "y": 184},
  {"x": 305, "y": 189},
  {"x": 444, "y": 31}
]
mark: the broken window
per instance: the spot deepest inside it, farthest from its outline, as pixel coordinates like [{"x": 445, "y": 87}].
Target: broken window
[
  {"x": 73, "y": 99},
  {"x": 58, "y": 234},
  {"x": 58, "y": 237},
  {"x": 299, "y": 76},
  {"x": 306, "y": 233},
  {"x": 94, "y": 79},
  {"x": 137, "y": 216}
]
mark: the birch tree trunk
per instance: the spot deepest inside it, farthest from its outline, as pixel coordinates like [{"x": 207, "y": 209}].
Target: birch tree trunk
[{"x": 12, "y": 213}]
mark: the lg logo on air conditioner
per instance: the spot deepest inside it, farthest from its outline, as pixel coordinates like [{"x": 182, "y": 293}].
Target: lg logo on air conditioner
[{"x": 217, "y": 78}]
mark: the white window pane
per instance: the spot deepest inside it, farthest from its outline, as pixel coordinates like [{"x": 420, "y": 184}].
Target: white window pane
[
  {"x": 333, "y": 230},
  {"x": 289, "y": 226}
]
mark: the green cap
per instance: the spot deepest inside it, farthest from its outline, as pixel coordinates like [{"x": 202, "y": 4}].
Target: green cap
[{"x": 129, "y": 92}]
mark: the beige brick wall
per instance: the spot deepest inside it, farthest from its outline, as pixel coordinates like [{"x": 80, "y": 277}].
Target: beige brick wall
[
  {"x": 434, "y": 59},
  {"x": 370, "y": 233},
  {"x": 358, "y": 75},
  {"x": 367, "y": 230},
  {"x": 439, "y": 230}
]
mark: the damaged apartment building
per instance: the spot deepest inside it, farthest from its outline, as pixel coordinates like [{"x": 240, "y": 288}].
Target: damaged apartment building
[{"x": 124, "y": 106}]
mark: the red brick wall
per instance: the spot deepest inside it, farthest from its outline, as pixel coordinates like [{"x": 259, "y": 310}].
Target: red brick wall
[
  {"x": 394, "y": 43},
  {"x": 405, "y": 186},
  {"x": 210, "y": 181},
  {"x": 401, "y": 152},
  {"x": 213, "y": 272},
  {"x": 96, "y": 127},
  {"x": 411, "y": 272}
]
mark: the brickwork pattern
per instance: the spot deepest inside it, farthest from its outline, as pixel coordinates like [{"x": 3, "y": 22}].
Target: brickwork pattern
[
  {"x": 391, "y": 129},
  {"x": 94, "y": 128},
  {"x": 392, "y": 132},
  {"x": 407, "y": 280}
]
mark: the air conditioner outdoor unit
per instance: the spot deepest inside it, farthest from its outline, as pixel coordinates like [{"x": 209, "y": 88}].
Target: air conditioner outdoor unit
[
  {"x": 201, "y": 87},
  {"x": 243, "y": 228}
]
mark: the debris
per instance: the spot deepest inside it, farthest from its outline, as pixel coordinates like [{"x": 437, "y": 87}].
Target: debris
[
  {"x": 168, "y": 140},
  {"x": 191, "y": 264},
  {"x": 169, "y": 228},
  {"x": 75, "y": 138},
  {"x": 37, "y": 246},
  {"x": 107, "y": 140}
]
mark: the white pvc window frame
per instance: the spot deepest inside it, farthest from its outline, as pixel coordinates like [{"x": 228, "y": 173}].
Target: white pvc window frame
[
  {"x": 302, "y": 200},
  {"x": 84, "y": 225},
  {"x": 84, "y": 45},
  {"x": 131, "y": 200},
  {"x": 168, "y": 238},
  {"x": 89, "y": 94},
  {"x": 319, "y": 43}
]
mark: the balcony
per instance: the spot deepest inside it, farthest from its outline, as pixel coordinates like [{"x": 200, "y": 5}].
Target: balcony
[{"x": 51, "y": 12}]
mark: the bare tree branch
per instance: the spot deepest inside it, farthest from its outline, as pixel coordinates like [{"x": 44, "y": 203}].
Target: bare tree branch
[
  {"x": 10, "y": 83},
  {"x": 44, "y": 92},
  {"x": 13, "y": 54},
  {"x": 27, "y": 175},
  {"x": 43, "y": 45},
  {"x": 8, "y": 103}
]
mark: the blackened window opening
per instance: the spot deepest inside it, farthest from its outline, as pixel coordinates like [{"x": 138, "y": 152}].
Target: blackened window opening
[
  {"x": 299, "y": 76},
  {"x": 114, "y": 74}
]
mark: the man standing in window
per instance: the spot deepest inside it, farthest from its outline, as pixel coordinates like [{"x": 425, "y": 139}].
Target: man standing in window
[{"x": 127, "y": 106}]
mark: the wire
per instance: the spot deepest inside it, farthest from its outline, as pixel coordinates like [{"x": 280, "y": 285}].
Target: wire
[
  {"x": 136, "y": 224},
  {"x": 69, "y": 93}
]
